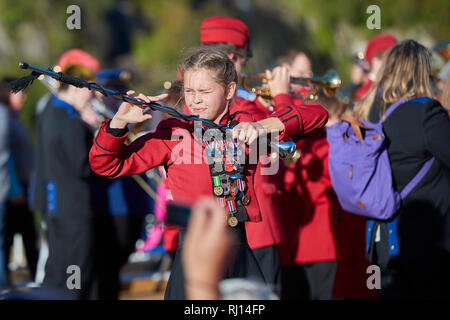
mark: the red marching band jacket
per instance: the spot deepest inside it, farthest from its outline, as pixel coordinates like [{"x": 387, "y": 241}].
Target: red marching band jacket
[
  {"x": 323, "y": 231},
  {"x": 187, "y": 182},
  {"x": 313, "y": 233},
  {"x": 276, "y": 204}
]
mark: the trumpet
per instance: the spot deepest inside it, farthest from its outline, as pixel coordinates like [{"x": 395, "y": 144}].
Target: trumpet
[{"x": 330, "y": 83}]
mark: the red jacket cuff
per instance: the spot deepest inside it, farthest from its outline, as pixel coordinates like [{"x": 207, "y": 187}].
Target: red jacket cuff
[
  {"x": 287, "y": 114},
  {"x": 107, "y": 141}
]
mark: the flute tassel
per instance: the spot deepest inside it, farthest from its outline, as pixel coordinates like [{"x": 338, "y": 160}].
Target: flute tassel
[{"x": 22, "y": 83}]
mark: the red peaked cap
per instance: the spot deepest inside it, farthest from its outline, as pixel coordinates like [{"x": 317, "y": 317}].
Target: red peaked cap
[
  {"x": 379, "y": 43},
  {"x": 78, "y": 57},
  {"x": 225, "y": 29}
]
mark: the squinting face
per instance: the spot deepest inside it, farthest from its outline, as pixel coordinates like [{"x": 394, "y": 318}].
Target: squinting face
[{"x": 205, "y": 97}]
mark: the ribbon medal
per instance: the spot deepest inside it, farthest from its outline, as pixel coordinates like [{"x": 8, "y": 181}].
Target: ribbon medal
[
  {"x": 233, "y": 190},
  {"x": 218, "y": 190},
  {"x": 221, "y": 202},
  {"x": 231, "y": 206},
  {"x": 240, "y": 184}
]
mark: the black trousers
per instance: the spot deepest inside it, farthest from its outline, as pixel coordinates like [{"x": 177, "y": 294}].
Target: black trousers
[
  {"x": 244, "y": 265},
  {"x": 89, "y": 243},
  {"x": 312, "y": 281},
  {"x": 423, "y": 277},
  {"x": 19, "y": 219},
  {"x": 126, "y": 231},
  {"x": 269, "y": 261}
]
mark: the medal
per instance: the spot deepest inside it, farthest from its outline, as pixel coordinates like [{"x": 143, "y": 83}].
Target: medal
[
  {"x": 229, "y": 167},
  {"x": 231, "y": 206},
  {"x": 221, "y": 202},
  {"x": 218, "y": 168},
  {"x": 233, "y": 191},
  {"x": 212, "y": 153},
  {"x": 240, "y": 184},
  {"x": 236, "y": 176},
  {"x": 246, "y": 200},
  {"x": 226, "y": 190},
  {"x": 218, "y": 190},
  {"x": 232, "y": 221}
]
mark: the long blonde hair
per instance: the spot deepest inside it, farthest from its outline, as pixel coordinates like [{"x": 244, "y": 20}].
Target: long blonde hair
[{"x": 405, "y": 73}]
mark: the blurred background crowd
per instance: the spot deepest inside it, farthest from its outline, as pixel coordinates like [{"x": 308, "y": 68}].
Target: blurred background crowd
[{"x": 149, "y": 36}]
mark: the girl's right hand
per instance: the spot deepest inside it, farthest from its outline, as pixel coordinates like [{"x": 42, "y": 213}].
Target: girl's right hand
[{"x": 130, "y": 113}]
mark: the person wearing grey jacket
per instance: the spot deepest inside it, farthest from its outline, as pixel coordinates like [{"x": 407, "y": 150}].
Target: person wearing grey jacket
[{"x": 4, "y": 186}]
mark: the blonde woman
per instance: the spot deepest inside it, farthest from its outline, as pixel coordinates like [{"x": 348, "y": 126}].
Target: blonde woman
[{"x": 416, "y": 131}]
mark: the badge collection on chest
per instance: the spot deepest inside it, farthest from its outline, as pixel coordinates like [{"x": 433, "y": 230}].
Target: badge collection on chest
[{"x": 227, "y": 176}]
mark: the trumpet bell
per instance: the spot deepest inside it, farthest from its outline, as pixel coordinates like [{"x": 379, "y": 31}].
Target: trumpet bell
[{"x": 286, "y": 150}]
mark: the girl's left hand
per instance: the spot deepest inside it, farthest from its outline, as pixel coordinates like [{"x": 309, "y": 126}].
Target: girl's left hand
[{"x": 247, "y": 132}]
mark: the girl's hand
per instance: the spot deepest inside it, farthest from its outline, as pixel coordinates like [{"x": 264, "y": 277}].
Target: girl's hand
[
  {"x": 130, "y": 113},
  {"x": 247, "y": 132}
]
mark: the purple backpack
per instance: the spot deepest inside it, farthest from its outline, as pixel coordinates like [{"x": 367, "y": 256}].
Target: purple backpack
[{"x": 360, "y": 170}]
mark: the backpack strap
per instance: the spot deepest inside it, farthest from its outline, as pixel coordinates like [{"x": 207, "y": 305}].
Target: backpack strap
[{"x": 422, "y": 172}]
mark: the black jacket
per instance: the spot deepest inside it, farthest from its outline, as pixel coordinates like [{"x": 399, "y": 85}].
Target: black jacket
[
  {"x": 416, "y": 131},
  {"x": 63, "y": 173}
]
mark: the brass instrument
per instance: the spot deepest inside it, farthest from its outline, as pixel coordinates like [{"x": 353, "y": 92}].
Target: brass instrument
[{"x": 330, "y": 83}]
